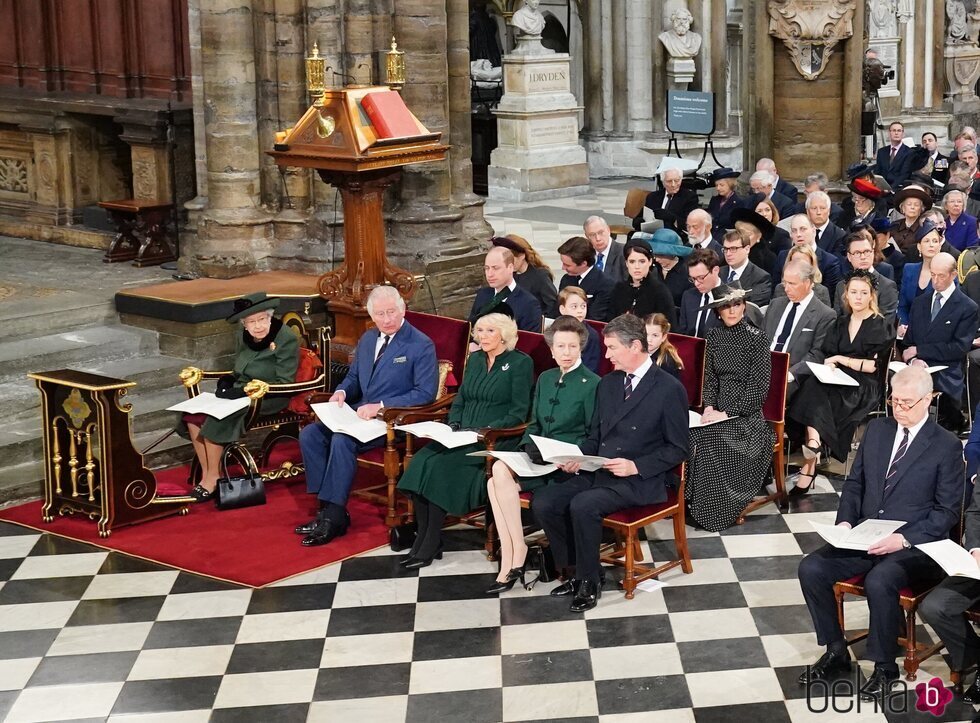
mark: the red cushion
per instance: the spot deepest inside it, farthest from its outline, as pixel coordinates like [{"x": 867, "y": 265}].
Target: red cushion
[
  {"x": 904, "y": 592},
  {"x": 691, "y": 351},
  {"x": 774, "y": 408},
  {"x": 526, "y": 496},
  {"x": 605, "y": 366},
  {"x": 451, "y": 338},
  {"x": 535, "y": 347},
  {"x": 632, "y": 515}
]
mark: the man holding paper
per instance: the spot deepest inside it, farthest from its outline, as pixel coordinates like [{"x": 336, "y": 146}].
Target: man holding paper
[
  {"x": 640, "y": 424},
  {"x": 907, "y": 469},
  {"x": 394, "y": 366}
]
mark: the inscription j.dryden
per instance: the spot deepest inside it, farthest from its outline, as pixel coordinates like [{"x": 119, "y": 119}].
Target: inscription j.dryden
[{"x": 538, "y": 80}]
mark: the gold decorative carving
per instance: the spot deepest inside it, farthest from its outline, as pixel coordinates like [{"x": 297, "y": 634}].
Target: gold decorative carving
[
  {"x": 13, "y": 175},
  {"x": 76, "y": 408},
  {"x": 45, "y": 170},
  {"x": 810, "y": 29}
]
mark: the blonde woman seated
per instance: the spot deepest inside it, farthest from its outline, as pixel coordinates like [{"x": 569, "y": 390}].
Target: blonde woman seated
[
  {"x": 805, "y": 253},
  {"x": 496, "y": 393},
  {"x": 564, "y": 400},
  {"x": 663, "y": 353}
]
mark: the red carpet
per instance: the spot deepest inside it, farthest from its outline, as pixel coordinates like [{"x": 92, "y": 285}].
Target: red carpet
[{"x": 255, "y": 546}]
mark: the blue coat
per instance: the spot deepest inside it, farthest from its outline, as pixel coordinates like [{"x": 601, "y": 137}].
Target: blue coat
[
  {"x": 926, "y": 492},
  {"x": 963, "y": 233},
  {"x": 945, "y": 340},
  {"x": 527, "y": 310},
  {"x": 406, "y": 374}
]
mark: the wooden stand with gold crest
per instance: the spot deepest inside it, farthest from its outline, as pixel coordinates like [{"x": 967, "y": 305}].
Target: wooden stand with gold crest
[
  {"x": 90, "y": 465},
  {"x": 336, "y": 138}
]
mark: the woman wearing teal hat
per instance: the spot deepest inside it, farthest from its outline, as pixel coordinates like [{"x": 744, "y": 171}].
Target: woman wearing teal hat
[{"x": 669, "y": 252}]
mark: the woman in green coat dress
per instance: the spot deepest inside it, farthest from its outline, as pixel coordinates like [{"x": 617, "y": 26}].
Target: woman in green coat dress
[
  {"x": 496, "y": 392},
  {"x": 266, "y": 350},
  {"x": 564, "y": 400}
]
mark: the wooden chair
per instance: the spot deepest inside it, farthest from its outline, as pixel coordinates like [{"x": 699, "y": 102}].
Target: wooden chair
[
  {"x": 627, "y": 551},
  {"x": 279, "y": 426},
  {"x": 774, "y": 411},
  {"x": 691, "y": 350},
  {"x": 635, "y": 198}
]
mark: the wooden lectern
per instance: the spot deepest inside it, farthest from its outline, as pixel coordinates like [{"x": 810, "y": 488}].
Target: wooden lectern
[
  {"x": 336, "y": 138},
  {"x": 90, "y": 465}
]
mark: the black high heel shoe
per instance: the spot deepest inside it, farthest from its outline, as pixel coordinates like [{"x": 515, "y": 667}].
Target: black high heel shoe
[
  {"x": 410, "y": 562},
  {"x": 798, "y": 491},
  {"x": 515, "y": 574}
]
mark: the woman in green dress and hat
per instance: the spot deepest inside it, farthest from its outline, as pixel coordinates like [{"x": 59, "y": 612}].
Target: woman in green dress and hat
[
  {"x": 266, "y": 350},
  {"x": 496, "y": 393}
]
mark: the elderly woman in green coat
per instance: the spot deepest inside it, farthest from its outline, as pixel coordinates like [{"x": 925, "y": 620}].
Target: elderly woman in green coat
[
  {"x": 496, "y": 392},
  {"x": 564, "y": 400},
  {"x": 266, "y": 350}
]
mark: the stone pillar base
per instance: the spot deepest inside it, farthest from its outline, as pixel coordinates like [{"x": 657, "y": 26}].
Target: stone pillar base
[
  {"x": 962, "y": 72},
  {"x": 680, "y": 73}
]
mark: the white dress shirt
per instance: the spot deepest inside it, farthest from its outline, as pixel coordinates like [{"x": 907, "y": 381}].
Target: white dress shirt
[{"x": 796, "y": 319}]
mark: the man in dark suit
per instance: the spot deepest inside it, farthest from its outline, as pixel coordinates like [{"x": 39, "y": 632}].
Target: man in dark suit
[
  {"x": 942, "y": 326},
  {"x": 738, "y": 268},
  {"x": 780, "y": 185},
  {"x": 699, "y": 224},
  {"x": 907, "y": 469},
  {"x": 609, "y": 256},
  {"x": 578, "y": 261},
  {"x": 860, "y": 255},
  {"x": 761, "y": 182},
  {"x": 938, "y": 166},
  {"x": 498, "y": 268},
  {"x": 640, "y": 425},
  {"x": 827, "y": 234},
  {"x": 893, "y": 160},
  {"x": 818, "y": 181},
  {"x": 394, "y": 366},
  {"x": 798, "y": 322},
  {"x": 944, "y": 607},
  {"x": 803, "y": 233},
  {"x": 703, "y": 268},
  {"x": 671, "y": 204}
]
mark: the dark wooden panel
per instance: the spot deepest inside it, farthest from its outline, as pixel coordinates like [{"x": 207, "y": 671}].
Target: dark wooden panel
[
  {"x": 111, "y": 73},
  {"x": 76, "y": 44},
  {"x": 9, "y": 73},
  {"x": 30, "y": 44}
]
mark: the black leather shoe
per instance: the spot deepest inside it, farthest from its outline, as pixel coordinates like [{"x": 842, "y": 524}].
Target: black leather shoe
[
  {"x": 324, "y": 532},
  {"x": 879, "y": 684},
  {"x": 416, "y": 563},
  {"x": 566, "y": 588},
  {"x": 828, "y": 666},
  {"x": 587, "y": 597},
  {"x": 409, "y": 557},
  {"x": 972, "y": 694},
  {"x": 306, "y": 528}
]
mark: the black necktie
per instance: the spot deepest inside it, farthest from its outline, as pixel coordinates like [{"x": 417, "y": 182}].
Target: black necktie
[
  {"x": 381, "y": 351},
  {"x": 899, "y": 453},
  {"x": 628, "y": 387},
  {"x": 731, "y": 276},
  {"x": 787, "y": 327},
  {"x": 705, "y": 300},
  {"x": 817, "y": 239}
]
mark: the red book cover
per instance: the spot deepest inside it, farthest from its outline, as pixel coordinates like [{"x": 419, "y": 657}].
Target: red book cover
[{"x": 389, "y": 115}]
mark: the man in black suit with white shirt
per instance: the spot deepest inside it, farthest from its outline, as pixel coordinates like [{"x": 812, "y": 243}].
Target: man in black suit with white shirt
[
  {"x": 578, "y": 261},
  {"x": 671, "y": 204},
  {"x": 739, "y": 269},
  {"x": 704, "y": 270}
]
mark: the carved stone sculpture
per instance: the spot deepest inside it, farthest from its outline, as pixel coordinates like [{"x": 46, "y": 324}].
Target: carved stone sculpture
[
  {"x": 680, "y": 41},
  {"x": 956, "y": 29},
  {"x": 810, "y": 30},
  {"x": 528, "y": 20}
]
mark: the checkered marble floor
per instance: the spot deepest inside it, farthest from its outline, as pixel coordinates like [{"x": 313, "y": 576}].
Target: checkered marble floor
[{"x": 87, "y": 634}]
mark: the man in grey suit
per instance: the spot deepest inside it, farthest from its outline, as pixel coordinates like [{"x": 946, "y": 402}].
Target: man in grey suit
[
  {"x": 749, "y": 276},
  {"x": 861, "y": 255},
  {"x": 609, "y": 257},
  {"x": 798, "y": 322}
]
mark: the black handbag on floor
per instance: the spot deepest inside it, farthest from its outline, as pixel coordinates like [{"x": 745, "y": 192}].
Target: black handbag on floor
[{"x": 236, "y": 492}]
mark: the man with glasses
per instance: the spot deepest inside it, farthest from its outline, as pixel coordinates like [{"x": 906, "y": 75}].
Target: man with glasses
[
  {"x": 907, "y": 469},
  {"x": 942, "y": 326},
  {"x": 671, "y": 204},
  {"x": 695, "y": 319},
  {"x": 861, "y": 255},
  {"x": 739, "y": 269}
]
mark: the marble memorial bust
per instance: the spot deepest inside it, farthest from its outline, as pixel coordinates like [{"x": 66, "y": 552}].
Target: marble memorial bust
[
  {"x": 680, "y": 41},
  {"x": 528, "y": 20}
]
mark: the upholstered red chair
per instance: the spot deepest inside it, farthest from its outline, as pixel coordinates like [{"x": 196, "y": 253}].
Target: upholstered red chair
[
  {"x": 627, "y": 551},
  {"x": 691, "y": 351},
  {"x": 774, "y": 411},
  {"x": 535, "y": 347}
]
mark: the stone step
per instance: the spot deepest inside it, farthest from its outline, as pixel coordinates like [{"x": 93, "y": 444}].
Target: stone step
[
  {"x": 64, "y": 350},
  {"x": 67, "y": 312}
]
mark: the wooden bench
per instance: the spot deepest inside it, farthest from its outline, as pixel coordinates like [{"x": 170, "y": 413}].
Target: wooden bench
[{"x": 143, "y": 234}]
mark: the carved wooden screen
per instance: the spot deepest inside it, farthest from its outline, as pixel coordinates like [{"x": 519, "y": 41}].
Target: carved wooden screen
[{"x": 118, "y": 48}]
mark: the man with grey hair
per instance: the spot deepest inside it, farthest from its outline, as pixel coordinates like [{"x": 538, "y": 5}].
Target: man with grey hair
[
  {"x": 762, "y": 184},
  {"x": 394, "y": 365},
  {"x": 813, "y": 182},
  {"x": 780, "y": 185},
  {"x": 640, "y": 425},
  {"x": 609, "y": 257},
  {"x": 671, "y": 204},
  {"x": 802, "y": 232},
  {"x": 699, "y": 236},
  {"x": 942, "y": 326},
  {"x": 907, "y": 469},
  {"x": 828, "y": 235}
]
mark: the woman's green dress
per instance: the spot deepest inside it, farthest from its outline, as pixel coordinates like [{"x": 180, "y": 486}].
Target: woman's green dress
[{"x": 498, "y": 397}]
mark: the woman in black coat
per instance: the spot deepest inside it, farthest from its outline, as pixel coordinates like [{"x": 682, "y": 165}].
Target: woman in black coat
[
  {"x": 721, "y": 205},
  {"x": 644, "y": 293}
]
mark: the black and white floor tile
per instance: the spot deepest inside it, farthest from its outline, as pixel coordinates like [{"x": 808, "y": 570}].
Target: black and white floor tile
[{"x": 87, "y": 634}]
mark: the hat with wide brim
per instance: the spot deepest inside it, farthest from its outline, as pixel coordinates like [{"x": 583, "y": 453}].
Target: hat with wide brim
[
  {"x": 252, "y": 304},
  {"x": 720, "y": 173},
  {"x": 512, "y": 246},
  {"x": 913, "y": 191},
  {"x": 882, "y": 225},
  {"x": 856, "y": 170},
  {"x": 747, "y": 215},
  {"x": 865, "y": 188},
  {"x": 726, "y": 294}
]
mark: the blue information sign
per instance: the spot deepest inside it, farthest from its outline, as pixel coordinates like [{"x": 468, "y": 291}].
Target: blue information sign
[{"x": 690, "y": 112}]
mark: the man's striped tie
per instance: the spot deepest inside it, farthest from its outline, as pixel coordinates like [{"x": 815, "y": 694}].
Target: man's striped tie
[
  {"x": 628, "y": 387},
  {"x": 899, "y": 453}
]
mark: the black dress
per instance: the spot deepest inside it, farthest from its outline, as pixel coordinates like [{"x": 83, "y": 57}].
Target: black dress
[
  {"x": 835, "y": 411},
  {"x": 650, "y": 297},
  {"x": 537, "y": 283}
]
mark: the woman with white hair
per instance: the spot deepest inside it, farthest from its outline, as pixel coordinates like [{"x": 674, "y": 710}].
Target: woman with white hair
[
  {"x": 961, "y": 227},
  {"x": 495, "y": 393},
  {"x": 265, "y": 350}
]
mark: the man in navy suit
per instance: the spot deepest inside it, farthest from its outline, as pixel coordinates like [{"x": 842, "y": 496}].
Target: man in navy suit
[
  {"x": 828, "y": 235},
  {"x": 780, "y": 185},
  {"x": 804, "y": 233},
  {"x": 942, "y": 326},
  {"x": 498, "y": 267},
  {"x": 907, "y": 469},
  {"x": 394, "y": 366},
  {"x": 704, "y": 271},
  {"x": 640, "y": 425},
  {"x": 578, "y": 261},
  {"x": 892, "y": 162}
]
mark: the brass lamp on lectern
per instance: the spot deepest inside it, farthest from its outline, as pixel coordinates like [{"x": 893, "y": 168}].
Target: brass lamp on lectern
[
  {"x": 315, "y": 72},
  {"x": 395, "y": 67}
]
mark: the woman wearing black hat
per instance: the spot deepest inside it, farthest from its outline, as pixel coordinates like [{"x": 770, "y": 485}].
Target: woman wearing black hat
[
  {"x": 912, "y": 201},
  {"x": 725, "y": 200},
  {"x": 730, "y": 461},
  {"x": 267, "y": 350},
  {"x": 644, "y": 292},
  {"x": 759, "y": 232}
]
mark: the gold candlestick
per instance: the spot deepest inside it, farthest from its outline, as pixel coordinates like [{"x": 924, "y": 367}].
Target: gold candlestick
[{"x": 315, "y": 72}]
